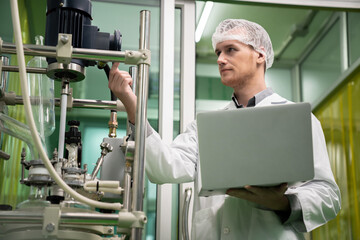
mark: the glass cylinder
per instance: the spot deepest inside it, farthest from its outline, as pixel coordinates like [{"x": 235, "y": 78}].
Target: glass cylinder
[
  {"x": 41, "y": 91},
  {"x": 37, "y": 198}
]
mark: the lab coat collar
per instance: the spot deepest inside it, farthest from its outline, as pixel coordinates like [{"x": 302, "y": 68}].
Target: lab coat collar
[{"x": 254, "y": 101}]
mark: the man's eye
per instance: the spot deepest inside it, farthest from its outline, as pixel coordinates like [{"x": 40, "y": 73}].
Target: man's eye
[
  {"x": 231, "y": 49},
  {"x": 217, "y": 53}
]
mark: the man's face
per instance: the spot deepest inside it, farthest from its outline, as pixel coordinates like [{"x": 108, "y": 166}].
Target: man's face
[{"x": 237, "y": 63}]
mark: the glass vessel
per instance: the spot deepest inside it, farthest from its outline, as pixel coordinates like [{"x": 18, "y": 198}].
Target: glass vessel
[
  {"x": 37, "y": 198},
  {"x": 41, "y": 92}
]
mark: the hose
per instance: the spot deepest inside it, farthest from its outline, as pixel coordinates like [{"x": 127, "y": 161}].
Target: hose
[
  {"x": 31, "y": 123},
  {"x": 107, "y": 72}
]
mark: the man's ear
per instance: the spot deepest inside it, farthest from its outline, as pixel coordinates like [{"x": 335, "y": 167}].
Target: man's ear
[{"x": 261, "y": 57}]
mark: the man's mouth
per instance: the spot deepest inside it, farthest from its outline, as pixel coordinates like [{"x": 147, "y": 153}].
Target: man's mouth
[{"x": 225, "y": 70}]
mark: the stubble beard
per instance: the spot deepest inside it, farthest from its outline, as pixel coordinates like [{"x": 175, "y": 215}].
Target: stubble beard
[{"x": 239, "y": 83}]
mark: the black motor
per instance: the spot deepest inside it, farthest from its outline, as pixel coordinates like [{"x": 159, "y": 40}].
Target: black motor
[{"x": 74, "y": 17}]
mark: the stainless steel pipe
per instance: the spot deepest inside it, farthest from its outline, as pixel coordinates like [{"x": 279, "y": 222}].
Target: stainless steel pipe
[
  {"x": 81, "y": 103},
  {"x": 77, "y": 53},
  {"x": 8, "y": 68},
  {"x": 141, "y": 122},
  {"x": 122, "y": 219}
]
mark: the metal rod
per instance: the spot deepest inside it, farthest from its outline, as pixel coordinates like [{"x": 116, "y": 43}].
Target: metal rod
[
  {"x": 127, "y": 188},
  {"x": 78, "y": 103},
  {"x": 185, "y": 213},
  {"x": 344, "y": 42},
  {"x": 77, "y": 53},
  {"x": 91, "y": 218},
  {"x": 98, "y": 55},
  {"x": 30, "y": 49},
  {"x": 4, "y": 76},
  {"x": 122, "y": 219},
  {"x": 133, "y": 74},
  {"x": 4, "y": 155},
  {"x": 28, "y": 69},
  {"x": 89, "y": 103},
  {"x": 63, "y": 106},
  {"x": 129, "y": 164},
  {"x": 141, "y": 122},
  {"x": 97, "y": 167}
]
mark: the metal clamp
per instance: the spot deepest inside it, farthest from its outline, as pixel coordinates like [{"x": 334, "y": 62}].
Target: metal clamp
[
  {"x": 8, "y": 97},
  {"x": 105, "y": 149},
  {"x": 51, "y": 221},
  {"x": 143, "y": 56},
  {"x": 64, "y": 48},
  {"x": 135, "y": 219},
  {"x": 4, "y": 155}
]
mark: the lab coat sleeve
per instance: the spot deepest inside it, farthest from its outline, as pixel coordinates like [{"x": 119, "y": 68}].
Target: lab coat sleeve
[
  {"x": 175, "y": 162},
  {"x": 319, "y": 198}
]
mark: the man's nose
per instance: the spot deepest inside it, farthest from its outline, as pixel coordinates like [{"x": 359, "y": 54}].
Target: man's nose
[{"x": 221, "y": 59}]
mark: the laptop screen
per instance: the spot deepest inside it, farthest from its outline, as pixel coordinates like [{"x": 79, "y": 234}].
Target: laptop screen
[{"x": 259, "y": 146}]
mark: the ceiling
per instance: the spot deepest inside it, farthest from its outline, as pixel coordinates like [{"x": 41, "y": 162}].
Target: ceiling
[
  {"x": 280, "y": 22},
  {"x": 291, "y": 29}
]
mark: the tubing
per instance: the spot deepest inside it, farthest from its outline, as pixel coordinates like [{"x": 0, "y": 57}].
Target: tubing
[
  {"x": 30, "y": 118},
  {"x": 63, "y": 105}
]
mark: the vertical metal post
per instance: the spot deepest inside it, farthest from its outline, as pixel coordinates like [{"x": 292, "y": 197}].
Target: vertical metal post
[
  {"x": 296, "y": 83},
  {"x": 129, "y": 164},
  {"x": 344, "y": 48},
  {"x": 187, "y": 92},
  {"x": 3, "y": 87},
  {"x": 134, "y": 75},
  {"x": 4, "y": 75},
  {"x": 140, "y": 122}
]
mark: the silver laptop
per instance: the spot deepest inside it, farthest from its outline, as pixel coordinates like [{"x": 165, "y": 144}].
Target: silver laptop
[{"x": 260, "y": 146}]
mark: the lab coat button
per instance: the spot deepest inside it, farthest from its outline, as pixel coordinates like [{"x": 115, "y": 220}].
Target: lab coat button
[{"x": 226, "y": 230}]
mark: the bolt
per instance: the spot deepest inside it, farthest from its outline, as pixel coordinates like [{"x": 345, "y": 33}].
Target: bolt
[
  {"x": 64, "y": 39},
  {"x": 144, "y": 56},
  {"x": 110, "y": 230},
  {"x": 130, "y": 53},
  {"x": 50, "y": 227},
  {"x": 105, "y": 148}
]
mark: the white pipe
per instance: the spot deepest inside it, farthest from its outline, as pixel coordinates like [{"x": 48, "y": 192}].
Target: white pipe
[
  {"x": 104, "y": 186},
  {"x": 63, "y": 106},
  {"x": 103, "y": 189},
  {"x": 31, "y": 123},
  {"x": 107, "y": 184}
]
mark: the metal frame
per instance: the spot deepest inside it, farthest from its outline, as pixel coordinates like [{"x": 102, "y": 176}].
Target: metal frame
[
  {"x": 344, "y": 48},
  {"x": 187, "y": 108},
  {"x": 166, "y": 97},
  {"x": 296, "y": 71},
  {"x": 135, "y": 219},
  {"x": 344, "y": 4},
  {"x": 140, "y": 122},
  {"x": 187, "y": 96},
  {"x": 166, "y": 108}
]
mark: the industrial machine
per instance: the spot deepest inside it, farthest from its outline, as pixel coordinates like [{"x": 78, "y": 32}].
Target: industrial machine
[{"x": 65, "y": 201}]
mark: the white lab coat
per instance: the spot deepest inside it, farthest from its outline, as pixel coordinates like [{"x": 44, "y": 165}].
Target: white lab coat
[{"x": 226, "y": 217}]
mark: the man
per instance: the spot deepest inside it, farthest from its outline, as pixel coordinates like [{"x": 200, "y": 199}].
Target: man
[{"x": 244, "y": 53}]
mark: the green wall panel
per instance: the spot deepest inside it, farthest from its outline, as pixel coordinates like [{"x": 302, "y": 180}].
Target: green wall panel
[{"x": 340, "y": 119}]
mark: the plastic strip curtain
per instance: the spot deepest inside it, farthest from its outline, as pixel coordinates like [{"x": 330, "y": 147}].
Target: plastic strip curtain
[
  {"x": 340, "y": 119},
  {"x": 11, "y": 191}
]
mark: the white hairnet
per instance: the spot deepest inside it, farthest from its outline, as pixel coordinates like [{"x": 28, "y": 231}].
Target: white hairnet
[{"x": 247, "y": 32}]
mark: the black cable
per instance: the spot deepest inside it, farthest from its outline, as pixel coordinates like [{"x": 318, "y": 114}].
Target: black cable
[{"x": 107, "y": 71}]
